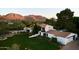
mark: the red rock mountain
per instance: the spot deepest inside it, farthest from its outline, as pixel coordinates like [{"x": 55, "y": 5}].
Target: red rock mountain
[
  {"x": 38, "y": 17},
  {"x": 14, "y": 16},
  {"x": 0, "y": 16}
]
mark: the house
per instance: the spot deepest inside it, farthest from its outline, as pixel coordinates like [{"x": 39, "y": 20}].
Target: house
[
  {"x": 46, "y": 27},
  {"x": 62, "y": 37},
  {"x": 27, "y": 29}
]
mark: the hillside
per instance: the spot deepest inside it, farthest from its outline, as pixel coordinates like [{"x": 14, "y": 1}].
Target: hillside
[{"x": 14, "y": 16}]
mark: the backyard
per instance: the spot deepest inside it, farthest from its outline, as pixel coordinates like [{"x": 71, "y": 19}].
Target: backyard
[{"x": 22, "y": 42}]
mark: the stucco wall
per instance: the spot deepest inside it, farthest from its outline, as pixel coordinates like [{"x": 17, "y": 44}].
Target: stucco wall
[
  {"x": 42, "y": 33},
  {"x": 48, "y": 27},
  {"x": 62, "y": 40},
  {"x": 72, "y": 34},
  {"x": 70, "y": 39},
  {"x": 50, "y": 35}
]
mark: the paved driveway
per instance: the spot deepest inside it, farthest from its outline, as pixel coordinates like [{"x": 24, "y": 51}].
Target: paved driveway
[{"x": 72, "y": 46}]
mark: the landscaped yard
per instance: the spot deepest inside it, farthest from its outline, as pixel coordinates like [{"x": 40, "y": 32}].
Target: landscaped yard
[{"x": 22, "y": 41}]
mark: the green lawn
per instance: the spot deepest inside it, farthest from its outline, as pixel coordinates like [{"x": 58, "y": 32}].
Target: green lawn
[{"x": 37, "y": 43}]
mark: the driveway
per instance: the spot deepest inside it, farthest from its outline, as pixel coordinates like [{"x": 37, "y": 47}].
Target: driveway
[{"x": 72, "y": 46}]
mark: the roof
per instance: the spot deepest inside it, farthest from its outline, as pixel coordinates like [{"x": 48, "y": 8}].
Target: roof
[
  {"x": 57, "y": 33},
  {"x": 42, "y": 25}
]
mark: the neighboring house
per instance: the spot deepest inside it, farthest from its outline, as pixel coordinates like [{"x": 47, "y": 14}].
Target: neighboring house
[
  {"x": 62, "y": 37},
  {"x": 14, "y": 32},
  {"x": 10, "y": 23},
  {"x": 26, "y": 29}
]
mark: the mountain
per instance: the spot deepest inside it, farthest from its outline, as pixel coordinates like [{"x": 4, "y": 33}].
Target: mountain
[
  {"x": 0, "y": 16},
  {"x": 14, "y": 16},
  {"x": 38, "y": 18},
  {"x": 28, "y": 18}
]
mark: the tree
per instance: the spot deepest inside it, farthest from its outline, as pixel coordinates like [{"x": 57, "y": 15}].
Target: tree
[
  {"x": 36, "y": 28},
  {"x": 76, "y": 22},
  {"x": 65, "y": 14},
  {"x": 65, "y": 20},
  {"x": 50, "y": 21}
]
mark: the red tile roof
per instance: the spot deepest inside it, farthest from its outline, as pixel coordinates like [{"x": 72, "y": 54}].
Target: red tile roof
[
  {"x": 57, "y": 33},
  {"x": 42, "y": 25}
]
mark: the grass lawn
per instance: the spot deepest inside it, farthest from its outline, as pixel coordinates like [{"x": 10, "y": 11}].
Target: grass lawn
[{"x": 37, "y": 43}]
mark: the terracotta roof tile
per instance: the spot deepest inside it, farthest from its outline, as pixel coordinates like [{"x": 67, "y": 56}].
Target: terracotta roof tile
[{"x": 57, "y": 33}]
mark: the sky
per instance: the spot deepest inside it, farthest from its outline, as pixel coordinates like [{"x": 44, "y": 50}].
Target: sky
[{"x": 47, "y": 12}]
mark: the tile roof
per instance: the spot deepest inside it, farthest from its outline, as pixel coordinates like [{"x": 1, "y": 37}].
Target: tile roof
[
  {"x": 42, "y": 25},
  {"x": 60, "y": 34}
]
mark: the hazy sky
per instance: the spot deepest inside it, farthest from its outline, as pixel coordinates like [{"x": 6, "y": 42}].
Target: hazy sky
[{"x": 47, "y": 12}]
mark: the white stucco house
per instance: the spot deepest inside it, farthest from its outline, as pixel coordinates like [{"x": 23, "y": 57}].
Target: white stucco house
[
  {"x": 46, "y": 27},
  {"x": 62, "y": 37}
]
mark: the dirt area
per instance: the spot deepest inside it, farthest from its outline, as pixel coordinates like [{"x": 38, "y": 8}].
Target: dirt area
[{"x": 72, "y": 46}]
